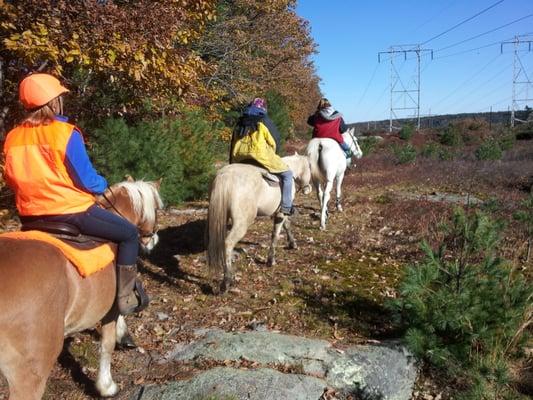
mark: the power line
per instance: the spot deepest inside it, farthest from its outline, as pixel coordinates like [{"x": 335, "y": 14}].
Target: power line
[
  {"x": 471, "y": 92},
  {"x": 461, "y": 85},
  {"x": 485, "y": 33},
  {"x": 463, "y": 22},
  {"x": 395, "y": 78},
  {"x": 368, "y": 85},
  {"x": 485, "y": 95},
  {"x": 435, "y": 16},
  {"x": 467, "y": 51}
]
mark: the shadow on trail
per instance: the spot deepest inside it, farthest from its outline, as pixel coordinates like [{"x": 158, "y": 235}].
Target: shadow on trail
[
  {"x": 175, "y": 241},
  {"x": 74, "y": 368},
  {"x": 350, "y": 310}
]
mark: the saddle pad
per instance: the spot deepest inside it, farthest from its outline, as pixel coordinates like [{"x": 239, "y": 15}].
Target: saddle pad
[{"x": 87, "y": 262}]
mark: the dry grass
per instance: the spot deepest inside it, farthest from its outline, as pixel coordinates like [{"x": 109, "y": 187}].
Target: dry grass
[{"x": 333, "y": 287}]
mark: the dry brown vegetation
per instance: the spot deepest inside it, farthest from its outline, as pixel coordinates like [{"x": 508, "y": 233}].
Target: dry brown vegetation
[{"x": 333, "y": 286}]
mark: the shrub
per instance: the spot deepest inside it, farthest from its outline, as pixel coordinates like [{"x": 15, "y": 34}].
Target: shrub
[
  {"x": 368, "y": 144},
  {"x": 463, "y": 306},
  {"x": 182, "y": 151},
  {"x": 406, "y": 132},
  {"x": 524, "y": 131},
  {"x": 489, "y": 150},
  {"x": 436, "y": 152},
  {"x": 525, "y": 215},
  {"x": 451, "y": 136},
  {"x": 507, "y": 141},
  {"x": 404, "y": 154}
]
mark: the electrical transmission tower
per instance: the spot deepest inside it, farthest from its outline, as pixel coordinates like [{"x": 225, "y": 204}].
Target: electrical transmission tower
[
  {"x": 408, "y": 95},
  {"x": 521, "y": 81}
]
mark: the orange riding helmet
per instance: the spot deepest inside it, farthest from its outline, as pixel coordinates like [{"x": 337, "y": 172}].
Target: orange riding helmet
[{"x": 36, "y": 90}]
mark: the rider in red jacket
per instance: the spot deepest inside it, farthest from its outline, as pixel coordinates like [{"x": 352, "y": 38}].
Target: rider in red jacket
[{"x": 328, "y": 123}]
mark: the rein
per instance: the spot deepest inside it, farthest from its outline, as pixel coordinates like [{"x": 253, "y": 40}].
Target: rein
[
  {"x": 354, "y": 140},
  {"x": 112, "y": 206}
]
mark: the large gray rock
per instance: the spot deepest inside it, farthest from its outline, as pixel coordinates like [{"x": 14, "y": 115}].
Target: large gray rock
[
  {"x": 234, "y": 384},
  {"x": 261, "y": 347},
  {"x": 370, "y": 372}
]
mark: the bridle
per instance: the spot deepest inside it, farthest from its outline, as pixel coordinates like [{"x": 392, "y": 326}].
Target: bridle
[
  {"x": 143, "y": 234},
  {"x": 352, "y": 136}
]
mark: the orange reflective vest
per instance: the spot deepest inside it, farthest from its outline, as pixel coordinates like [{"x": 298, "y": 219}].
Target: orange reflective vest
[{"x": 35, "y": 170}]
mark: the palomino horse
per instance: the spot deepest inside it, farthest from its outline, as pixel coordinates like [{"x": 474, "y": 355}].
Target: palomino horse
[
  {"x": 240, "y": 193},
  {"x": 43, "y": 299},
  {"x": 328, "y": 163}
]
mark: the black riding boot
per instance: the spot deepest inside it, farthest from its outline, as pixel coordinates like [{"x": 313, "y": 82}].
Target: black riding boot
[{"x": 131, "y": 296}]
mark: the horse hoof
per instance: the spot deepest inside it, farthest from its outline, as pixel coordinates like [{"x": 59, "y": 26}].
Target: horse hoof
[
  {"x": 225, "y": 286},
  {"x": 127, "y": 343},
  {"x": 293, "y": 246},
  {"x": 110, "y": 390},
  {"x": 271, "y": 262}
]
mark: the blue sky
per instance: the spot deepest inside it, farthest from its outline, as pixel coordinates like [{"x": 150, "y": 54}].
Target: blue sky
[{"x": 350, "y": 33}]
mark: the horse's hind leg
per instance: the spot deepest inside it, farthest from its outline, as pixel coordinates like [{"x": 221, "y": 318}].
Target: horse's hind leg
[
  {"x": 236, "y": 233},
  {"x": 324, "y": 211},
  {"x": 338, "y": 191},
  {"x": 104, "y": 382},
  {"x": 27, "y": 366},
  {"x": 278, "y": 224}
]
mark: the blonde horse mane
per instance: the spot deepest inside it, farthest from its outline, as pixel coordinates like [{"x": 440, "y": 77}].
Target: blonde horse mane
[{"x": 144, "y": 197}]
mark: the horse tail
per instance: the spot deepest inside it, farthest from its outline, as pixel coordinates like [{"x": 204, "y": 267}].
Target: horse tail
[
  {"x": 216, "y": 231},
  {"x": 314, "y": 149}
]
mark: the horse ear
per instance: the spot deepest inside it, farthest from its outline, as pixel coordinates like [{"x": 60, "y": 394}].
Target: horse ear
[
  {"x": 295, "y": 153},
  {"x": 157, "y": 183},
  {"x": 129, "y": 178}
]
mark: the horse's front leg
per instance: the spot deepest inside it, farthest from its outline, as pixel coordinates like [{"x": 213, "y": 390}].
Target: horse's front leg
[
  {"x": 123, "y": 337},
  {"x": 324, "y": 211},
  {"x": 278, "y": 224},
  {"x": 104, "y": 382},
  {"x": 338, "y": 192}
]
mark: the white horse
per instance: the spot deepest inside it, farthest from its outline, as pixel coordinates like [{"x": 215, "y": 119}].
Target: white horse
[
  {"x": 240, "y": 193},
  {"x": 329, "y": 163}
]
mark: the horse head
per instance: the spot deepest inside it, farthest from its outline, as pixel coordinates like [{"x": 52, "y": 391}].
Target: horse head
[
  {"x": 350, "y": 138},
  {"x": 138, "y": 202}
]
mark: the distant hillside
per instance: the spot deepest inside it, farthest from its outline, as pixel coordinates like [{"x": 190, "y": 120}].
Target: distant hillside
[{"x": 438, "y": 121}]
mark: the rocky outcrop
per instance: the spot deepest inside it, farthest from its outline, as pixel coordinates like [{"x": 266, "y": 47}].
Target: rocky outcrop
[{"x": 383, "y": 371}]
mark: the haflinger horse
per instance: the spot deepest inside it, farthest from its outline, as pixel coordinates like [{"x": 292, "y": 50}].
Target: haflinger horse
[
  {"x": 43, "y": 298},
  {"x": 240, "y": 193},
  {"x": 329, "y": 163}
]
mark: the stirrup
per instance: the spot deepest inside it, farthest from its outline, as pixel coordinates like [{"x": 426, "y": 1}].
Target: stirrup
[{"x": 141, "y": 295}]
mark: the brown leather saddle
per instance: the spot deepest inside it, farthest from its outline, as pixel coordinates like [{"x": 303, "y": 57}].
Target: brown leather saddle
[{"x": 65, "y": 232}]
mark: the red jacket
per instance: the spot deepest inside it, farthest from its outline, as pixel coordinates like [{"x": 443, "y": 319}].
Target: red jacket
[{"x": 330, "y": 127}]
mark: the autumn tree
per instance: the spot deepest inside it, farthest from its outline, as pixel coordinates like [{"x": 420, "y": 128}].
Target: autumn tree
[
  {"x": 119, "y": 56},
  {"x": 258, "y": 47}
]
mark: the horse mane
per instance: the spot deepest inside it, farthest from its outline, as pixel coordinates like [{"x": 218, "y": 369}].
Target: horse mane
[{"x": 145, "y": 198}]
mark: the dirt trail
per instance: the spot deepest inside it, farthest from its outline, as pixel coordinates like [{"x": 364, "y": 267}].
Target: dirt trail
[{"x": 332, "y": 287}]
